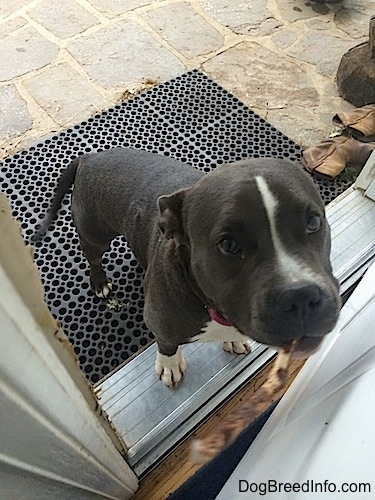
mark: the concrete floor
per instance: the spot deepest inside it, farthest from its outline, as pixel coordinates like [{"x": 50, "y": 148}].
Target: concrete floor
[{"x": 63, "y": 61}]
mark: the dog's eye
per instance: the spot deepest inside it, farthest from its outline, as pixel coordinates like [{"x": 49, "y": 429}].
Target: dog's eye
[
  {"x": 314, "y": 223},
  {"x": 228, "y": 246}
]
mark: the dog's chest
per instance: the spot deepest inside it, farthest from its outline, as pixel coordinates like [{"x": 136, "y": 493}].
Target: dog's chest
[{"x": 214, "y": 331}]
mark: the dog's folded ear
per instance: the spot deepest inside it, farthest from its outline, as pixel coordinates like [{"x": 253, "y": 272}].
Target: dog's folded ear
[{"x": 170, "y": 214}]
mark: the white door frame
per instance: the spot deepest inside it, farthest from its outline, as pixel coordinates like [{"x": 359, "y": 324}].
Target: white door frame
[
  {"x": 366, "y": 179},
  {"x": 54, "y": 440}
]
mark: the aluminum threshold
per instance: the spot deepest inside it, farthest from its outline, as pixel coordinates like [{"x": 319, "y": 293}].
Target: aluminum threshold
[{"x": 152, "y": 419}]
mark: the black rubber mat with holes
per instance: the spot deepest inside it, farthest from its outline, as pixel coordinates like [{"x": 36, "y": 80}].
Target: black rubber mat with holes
[{"x": 190, "y": 118}]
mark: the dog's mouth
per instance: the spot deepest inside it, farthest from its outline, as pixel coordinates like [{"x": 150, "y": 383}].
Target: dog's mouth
[
  {"x": 303, "y": 347},
  {"x": 306, "y": 346}
]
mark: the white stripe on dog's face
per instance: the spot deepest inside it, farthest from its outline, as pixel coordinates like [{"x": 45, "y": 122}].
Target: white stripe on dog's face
[{"x": 290, "y": 268}]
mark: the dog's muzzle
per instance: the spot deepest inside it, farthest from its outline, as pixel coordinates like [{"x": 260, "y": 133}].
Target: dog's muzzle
[
  {"x": 303, "y": 311},
  {"x": 307, "y": 346},
  {"x": 298, "y": 298}
]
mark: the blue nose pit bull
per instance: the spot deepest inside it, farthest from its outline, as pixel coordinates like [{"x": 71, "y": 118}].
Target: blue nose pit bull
[{"x": 237, "y": 254}]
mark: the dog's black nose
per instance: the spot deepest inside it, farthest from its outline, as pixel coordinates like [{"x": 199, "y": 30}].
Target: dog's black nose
[{"x": 298, "y": 299}]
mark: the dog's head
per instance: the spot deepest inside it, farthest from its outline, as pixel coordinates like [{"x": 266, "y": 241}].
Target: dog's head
[{"x": 258, "y": 245}]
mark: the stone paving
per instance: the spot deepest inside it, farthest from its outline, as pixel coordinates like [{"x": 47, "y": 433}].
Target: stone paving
[{"x": 62, "y": 61}]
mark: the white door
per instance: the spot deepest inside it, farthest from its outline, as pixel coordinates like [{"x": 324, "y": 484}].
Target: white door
[{"x": 54, "y": 442}]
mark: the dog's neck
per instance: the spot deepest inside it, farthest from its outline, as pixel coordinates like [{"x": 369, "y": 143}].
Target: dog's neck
[{"x": 183, "y": 252}]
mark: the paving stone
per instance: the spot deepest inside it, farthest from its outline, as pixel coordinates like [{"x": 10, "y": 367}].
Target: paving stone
[
  {"x": 366, "y": 7},
  {"x": 320, "y": 8},
  {"x": 11, "y": 26},
  {"x": 184, "y": 29},
  {"x": 331, "y": 89},
  {"x": 15, "y": 118},
  {"x": 113, "y": 8},
  {"x": 284, "y": 38},
  {"x": 63, "y": 19},
  {"x": 262, "y": 28},
  {"x": 308, "y": 126},
  {"x": 125, "y": 54},
  {"x": 294, "y": 10},
  {"x": 65, "y": 95},
  {"x": 299, "y": 124},
  {"x": 128, "y": 55},
  {"x": 242, "y": 16},
  {"x": 322, "y": 50},
  {"x": 353, "y": 22},
  {"x": 7, "y": 7},
  {"x": 329, "y": 105},
  {"x": 320, "y": 24},
  {"x": 24, "y": 51},
  {"x": 261, "y": 78}
]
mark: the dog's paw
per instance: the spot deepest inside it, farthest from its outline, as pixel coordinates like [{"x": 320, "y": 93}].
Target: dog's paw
[
  {"x": 104, "y": 290},
  {"x": 170, "y": 369},
  {"x": 237, "y": 347}
]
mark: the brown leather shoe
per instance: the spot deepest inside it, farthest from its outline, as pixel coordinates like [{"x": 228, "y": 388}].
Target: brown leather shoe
[
  {"x": 329, "y": 158},
  {"x": 359, "y": 123}
]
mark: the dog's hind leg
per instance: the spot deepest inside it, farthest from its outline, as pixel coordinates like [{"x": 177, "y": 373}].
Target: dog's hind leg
[{"x": 93, "y": 251}]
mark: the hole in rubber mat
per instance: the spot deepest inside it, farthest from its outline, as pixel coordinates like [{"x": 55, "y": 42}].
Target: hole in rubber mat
[{"x": 190, "y": 118}]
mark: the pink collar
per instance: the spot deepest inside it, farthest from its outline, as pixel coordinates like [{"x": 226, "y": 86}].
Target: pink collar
[{"x": 219, "y": 318}]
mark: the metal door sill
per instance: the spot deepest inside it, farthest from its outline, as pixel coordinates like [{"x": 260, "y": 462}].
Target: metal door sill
[{"x": 153, "y": 419}]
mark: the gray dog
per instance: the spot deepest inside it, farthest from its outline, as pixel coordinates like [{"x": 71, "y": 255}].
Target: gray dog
[{"x": 239, "y": 253}]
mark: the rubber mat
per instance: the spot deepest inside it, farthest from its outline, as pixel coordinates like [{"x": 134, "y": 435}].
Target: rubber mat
[{"x": 190, "y": 118}]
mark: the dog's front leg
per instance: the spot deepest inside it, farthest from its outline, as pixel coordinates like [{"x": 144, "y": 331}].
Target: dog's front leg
[
  {"x": 237, "y": 347},
  {"x": 170, "y": 368}
]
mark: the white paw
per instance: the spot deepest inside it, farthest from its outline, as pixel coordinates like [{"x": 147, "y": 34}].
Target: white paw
[
  {"x": 170, "y": 369},
  {"x": 237, "y": 347},
  {"x": 104, "y": 291}
]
